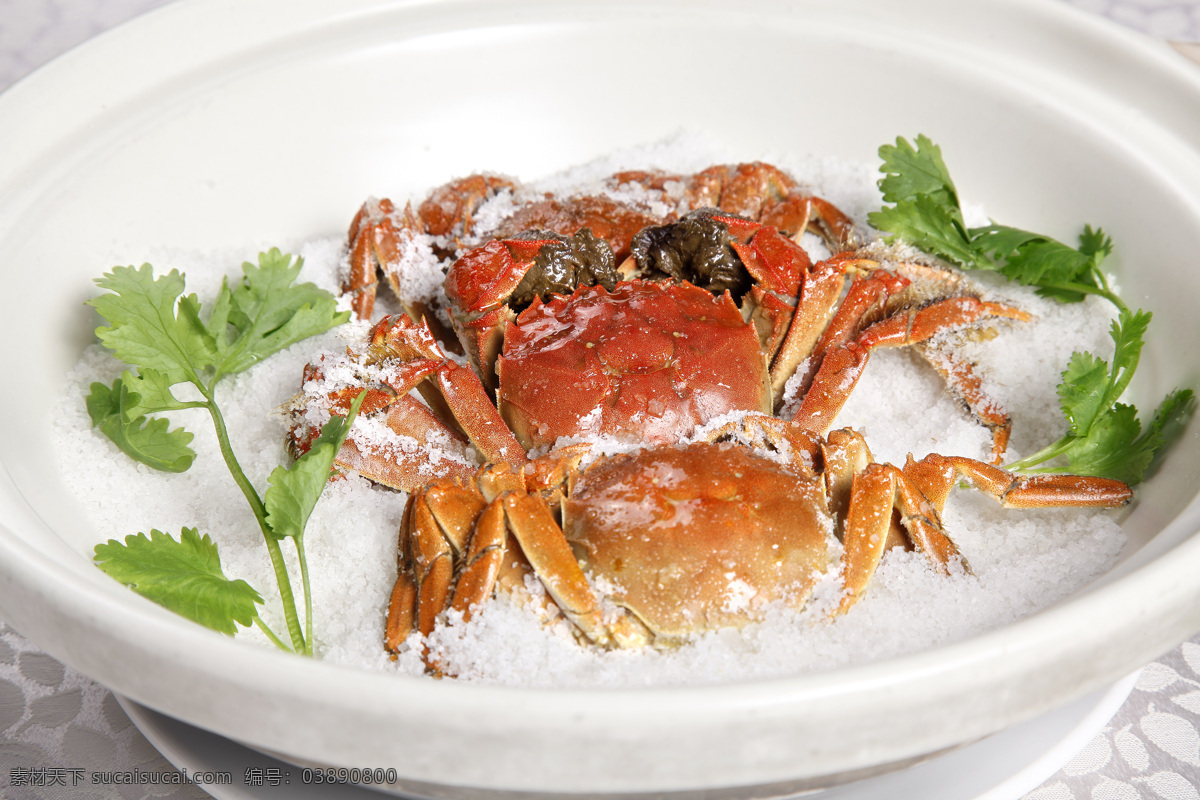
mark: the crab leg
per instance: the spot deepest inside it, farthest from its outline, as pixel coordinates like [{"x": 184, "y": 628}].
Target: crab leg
[
  {"x": 936, "y": 475},
  {"x": 437, "y": 525},
  {"x": 374, "y": 248},
  {"x": 819, "y": 295},
  {"x": 865, "y": 296},
  {"x": 845, "y": 454},
  {"x": 796, "y": 213},
  {"x": 481, "y": 562},
  {"x": 477, "y": 416},
  {"x": 459, "y": 394},
  {"x": 402, "y": 606},
  {"x": 919, "y": 492},
  {"x": 962, "y": 379},
  {"x": 554, "y": 563},
  {"x": 843, "y": 365},
  {"x": 877, "y": 490}
]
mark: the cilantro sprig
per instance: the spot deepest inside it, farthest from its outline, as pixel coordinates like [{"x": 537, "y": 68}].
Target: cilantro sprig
[
  {"x": 169, "y": 341},
  {"x": 1104, "y": 437}
]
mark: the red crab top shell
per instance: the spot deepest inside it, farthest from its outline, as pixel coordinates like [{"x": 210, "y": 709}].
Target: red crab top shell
[{"x": 646, "y": 360}]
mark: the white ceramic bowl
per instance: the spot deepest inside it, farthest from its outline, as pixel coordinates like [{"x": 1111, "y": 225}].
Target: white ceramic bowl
[{"x": 209, "y": 124}]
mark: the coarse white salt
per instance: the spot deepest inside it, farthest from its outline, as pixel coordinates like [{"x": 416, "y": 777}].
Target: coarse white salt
[{"x": 1020, "y": 561}]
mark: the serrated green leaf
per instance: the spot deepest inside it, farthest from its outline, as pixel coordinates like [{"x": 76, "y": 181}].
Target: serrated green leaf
[
  {"x": 1095, "y": 244},
  {"x": 144, "y": 439},
  {"x": 925, "y": 223},
  {"x": 293, "y": 492},
  {"x": 183, "y": 575},
  {"x": 270, "y": 312},
  {"x": 1042, "y": 260},
  {"x": 1128, "y": 332},
  {"x": 217, "y": 323},
  {"x": 149, "y": 392},
  {"x": 150, "y": 326},
  {"x": 1000, "y": 241},
  {"x": 1082, "y": 391},
  {"x": 1168, "y": 422},
  {"x": 913, "y": 172},
  {"x": 1109, "y": 448}
]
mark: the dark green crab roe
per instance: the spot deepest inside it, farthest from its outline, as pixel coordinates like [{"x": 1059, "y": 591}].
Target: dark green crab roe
[
  {"x": 695, "y": 248},
  {"x": 563, "y": 264}
]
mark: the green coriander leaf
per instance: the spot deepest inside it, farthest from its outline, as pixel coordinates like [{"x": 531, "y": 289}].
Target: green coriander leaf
[
  {"x": 1082, "y": 391},
  {"x": 1089, "y": 387},
  {"x": 1109, "y": 448},
  {"x": 150, "y": 326},
  {"x": 218, "y": 321},
  {"x": 1031, "y": 258},
  {"x": 142, "y": 438},
  {"x": 1000, "y": 241},
  {"x": 184, "y": 576},
  {"x": 1128, "y": 331},
  {"x": 293, "y": 492},
  {"x": 930, "y": 225},
  {"x": 1115, "y": 447},
  {"x": 149, "y": 392},
  {"x": 1095, "y": 244},
  {"x": 912, "y": 172},
  {"x": 1168, "y": 422},
  {"x": 1046, "y": 261},
  {"x": 270, "y": 312}
]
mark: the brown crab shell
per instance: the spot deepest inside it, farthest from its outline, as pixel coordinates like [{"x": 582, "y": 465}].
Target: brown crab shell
[
  {"x": 697, "y": 538},
  {"x": 646, "y": 361}
]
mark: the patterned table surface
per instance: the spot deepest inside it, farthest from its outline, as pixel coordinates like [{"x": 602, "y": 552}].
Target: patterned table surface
[{"x": 59, "y": 729}]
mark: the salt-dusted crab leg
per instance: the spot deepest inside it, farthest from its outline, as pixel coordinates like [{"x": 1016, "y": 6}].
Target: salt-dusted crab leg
[
  {"x": 936, "y": 475},
  {"x": 555, "y": 564},
  {"x": 919, "y": 492},
  {"x": 408, "y": 357},
  {"x": 377, "y": 237},
  {"x": 461, "y": 538},
  {"x": 867, "y": 296},
  {"x": 818, "y": 298},
  {"x": 843, "y": 364},
  {"x": 756, "y": 191},
  {"x": 380, "y": 236},
  {"x": 457, "y": 386}
]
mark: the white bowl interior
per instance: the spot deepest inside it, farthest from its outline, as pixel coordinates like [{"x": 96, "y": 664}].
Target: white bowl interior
[{"x": 271, "y": 123}]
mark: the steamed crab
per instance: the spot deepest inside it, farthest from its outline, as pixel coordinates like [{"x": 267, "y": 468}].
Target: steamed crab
[
  {"x": 689, "y": 538},
  {"x": 716, "y": 313}
]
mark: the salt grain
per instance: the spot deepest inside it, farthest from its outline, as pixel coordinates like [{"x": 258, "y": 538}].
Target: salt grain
[{"x": 1021, "y": 561}]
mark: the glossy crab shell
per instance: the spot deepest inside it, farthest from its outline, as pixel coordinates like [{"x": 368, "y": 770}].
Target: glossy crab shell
[
  {"x": 647, "y": 360},
  {"x": 699, "y": 538}
]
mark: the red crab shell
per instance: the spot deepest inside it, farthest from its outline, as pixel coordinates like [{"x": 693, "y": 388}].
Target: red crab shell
[
  {"x": 646, "y": 360},
  {"x": 699, "y": 538}
]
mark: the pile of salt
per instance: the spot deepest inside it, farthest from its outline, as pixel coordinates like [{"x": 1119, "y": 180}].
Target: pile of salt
[{"x": 1021, "y": 561}]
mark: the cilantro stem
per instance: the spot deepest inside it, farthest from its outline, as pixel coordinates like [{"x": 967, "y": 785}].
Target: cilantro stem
[
  {"x": 270, "y": 634},
  {"x": 1041, "y": 456},
  {"x": 260, "y": 513},
  {"x": 308, "y": 615},
  {"x": 1083, "y": 288}
]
